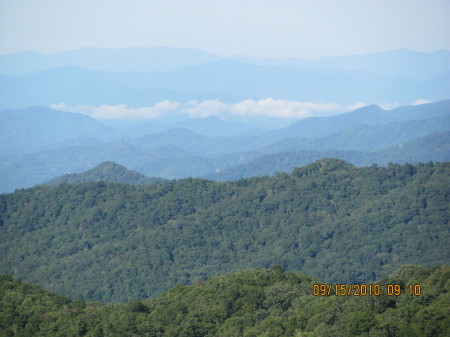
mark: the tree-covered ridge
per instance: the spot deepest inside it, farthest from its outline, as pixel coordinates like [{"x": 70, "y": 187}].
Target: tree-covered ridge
[
  {"x": 252, "y": 302},
  {"x": 107, "y": 171},
  {"x": 331, "y": 220}
]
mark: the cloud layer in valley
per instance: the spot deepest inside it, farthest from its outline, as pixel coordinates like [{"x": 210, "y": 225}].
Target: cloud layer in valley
[
  {"x": 268, "y": 107},
  {"x": 200, "y": 109},
  {"x": 120, "y": 111}
]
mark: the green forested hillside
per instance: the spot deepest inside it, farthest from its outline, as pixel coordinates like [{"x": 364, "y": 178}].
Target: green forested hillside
[
  {"x": 331, "y": 220},
  {"x": 252, "y": 302}
]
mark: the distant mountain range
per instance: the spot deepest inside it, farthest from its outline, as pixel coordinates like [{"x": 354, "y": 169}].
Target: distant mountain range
[
  {"x": 371, "y": 115},
  {"x": 39, "y": 128},
  {"x": 435, "y": 147},
  {"x": 225, "y": 80},
  {"x": 37, "y": 150},
  {"x": 106, "y": 59},
  {"x": 370, "y": 137},
  {"x": 143, "y": 77},
  {"x": 401, "y": 62}
]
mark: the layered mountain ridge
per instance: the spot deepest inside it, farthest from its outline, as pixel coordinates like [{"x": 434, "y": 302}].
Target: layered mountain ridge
[{"x": 37, "y": 147}]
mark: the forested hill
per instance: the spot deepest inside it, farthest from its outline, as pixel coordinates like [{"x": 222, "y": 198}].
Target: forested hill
[
  {"x": 330, "y": 220},
  {"x": 252, "y": 302},
  {"x": 107, "y": 171}
]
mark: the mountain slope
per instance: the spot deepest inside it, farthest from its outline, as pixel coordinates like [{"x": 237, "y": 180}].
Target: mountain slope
[
  {"x": 180, "y": 153},
  {"x": 224, "y": 80},
  {"x": 330, "y": 220},
  {"x": 39, "y": 128},
  {"x": 251, "y": 302},
  {"x": 107, "y": 171},
  {"x": 79, "y": 86},
  {"x": 207, "y": 146},
  {"x": 365, "y": 137},
  {"x": 269, "y": 164},
  {"x": 26, "y": 170},
  {"x": 171, "y": 162},
  {"x": 434, "y": 147},
  {"x": 106, "y": 59},
  {"x": 401, "y": 63},
  {"x": 316, "y": 127}
]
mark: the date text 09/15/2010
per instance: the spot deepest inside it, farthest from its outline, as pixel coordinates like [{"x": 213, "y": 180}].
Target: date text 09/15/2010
[{"x": 366, "y": 289}]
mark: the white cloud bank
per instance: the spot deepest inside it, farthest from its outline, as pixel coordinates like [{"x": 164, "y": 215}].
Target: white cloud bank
[
  {"x": 199, "y": 109},
  {"x": 281, "y": 108},
  {"x": 196, "y": 109},
  {"x": 120, "y": 111},
  {"x": 357, "y": 105},
  {"x": 268, "y": 107},
  {"x": 421, "y": 101},
  {"x": 265, "y": 107}
]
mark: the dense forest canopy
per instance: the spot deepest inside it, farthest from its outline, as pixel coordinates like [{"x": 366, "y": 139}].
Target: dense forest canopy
[
  {"x": 250, "y": 303},
  {"x": 330, "y": 220}
]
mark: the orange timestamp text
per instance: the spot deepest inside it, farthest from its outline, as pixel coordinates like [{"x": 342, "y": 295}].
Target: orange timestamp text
[{"x": 366, "y": 289}]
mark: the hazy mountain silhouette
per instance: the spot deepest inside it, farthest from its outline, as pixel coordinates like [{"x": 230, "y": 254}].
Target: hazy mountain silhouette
[
  {"x": 225, "y": 80},
  {"x": 364, "y": 136},
  {"x": 108, "y": 172},
  {"x": 107, "y": 59},
  {"x": 400, "y": 62},
  {"x": 39, "y": 128}
]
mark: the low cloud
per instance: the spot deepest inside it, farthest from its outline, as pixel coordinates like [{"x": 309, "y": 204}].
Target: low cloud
[
  {"x": 389, "y": 106},
  {"x": 121, "y": 111},
  {"x": 200, "y": 109},
  {"x": 196, "y": 109},
  {"x": 280, "y": 108},
  {"x": 355, "y": 106},
  {"x": 421, "y": 101}
]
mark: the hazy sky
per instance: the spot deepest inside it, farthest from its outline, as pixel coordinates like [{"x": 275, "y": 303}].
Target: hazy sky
[{"x": 258, "y": 28}]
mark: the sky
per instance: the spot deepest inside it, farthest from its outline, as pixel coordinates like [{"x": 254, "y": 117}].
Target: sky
[
  {"x": 304, "y": 29},
  {"x": 257, "y": 28}
]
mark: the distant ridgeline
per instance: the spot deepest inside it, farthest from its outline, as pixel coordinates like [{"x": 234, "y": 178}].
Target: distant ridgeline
[
  {"x": 110, "y": 172},
  {"x": 252, "y": 302},
  {"x": 38, "y": 144},
  {"x": 331, "y": 220}
]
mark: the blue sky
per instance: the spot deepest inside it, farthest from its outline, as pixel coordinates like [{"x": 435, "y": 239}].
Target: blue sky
[{"x": 257, "y": 28}]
